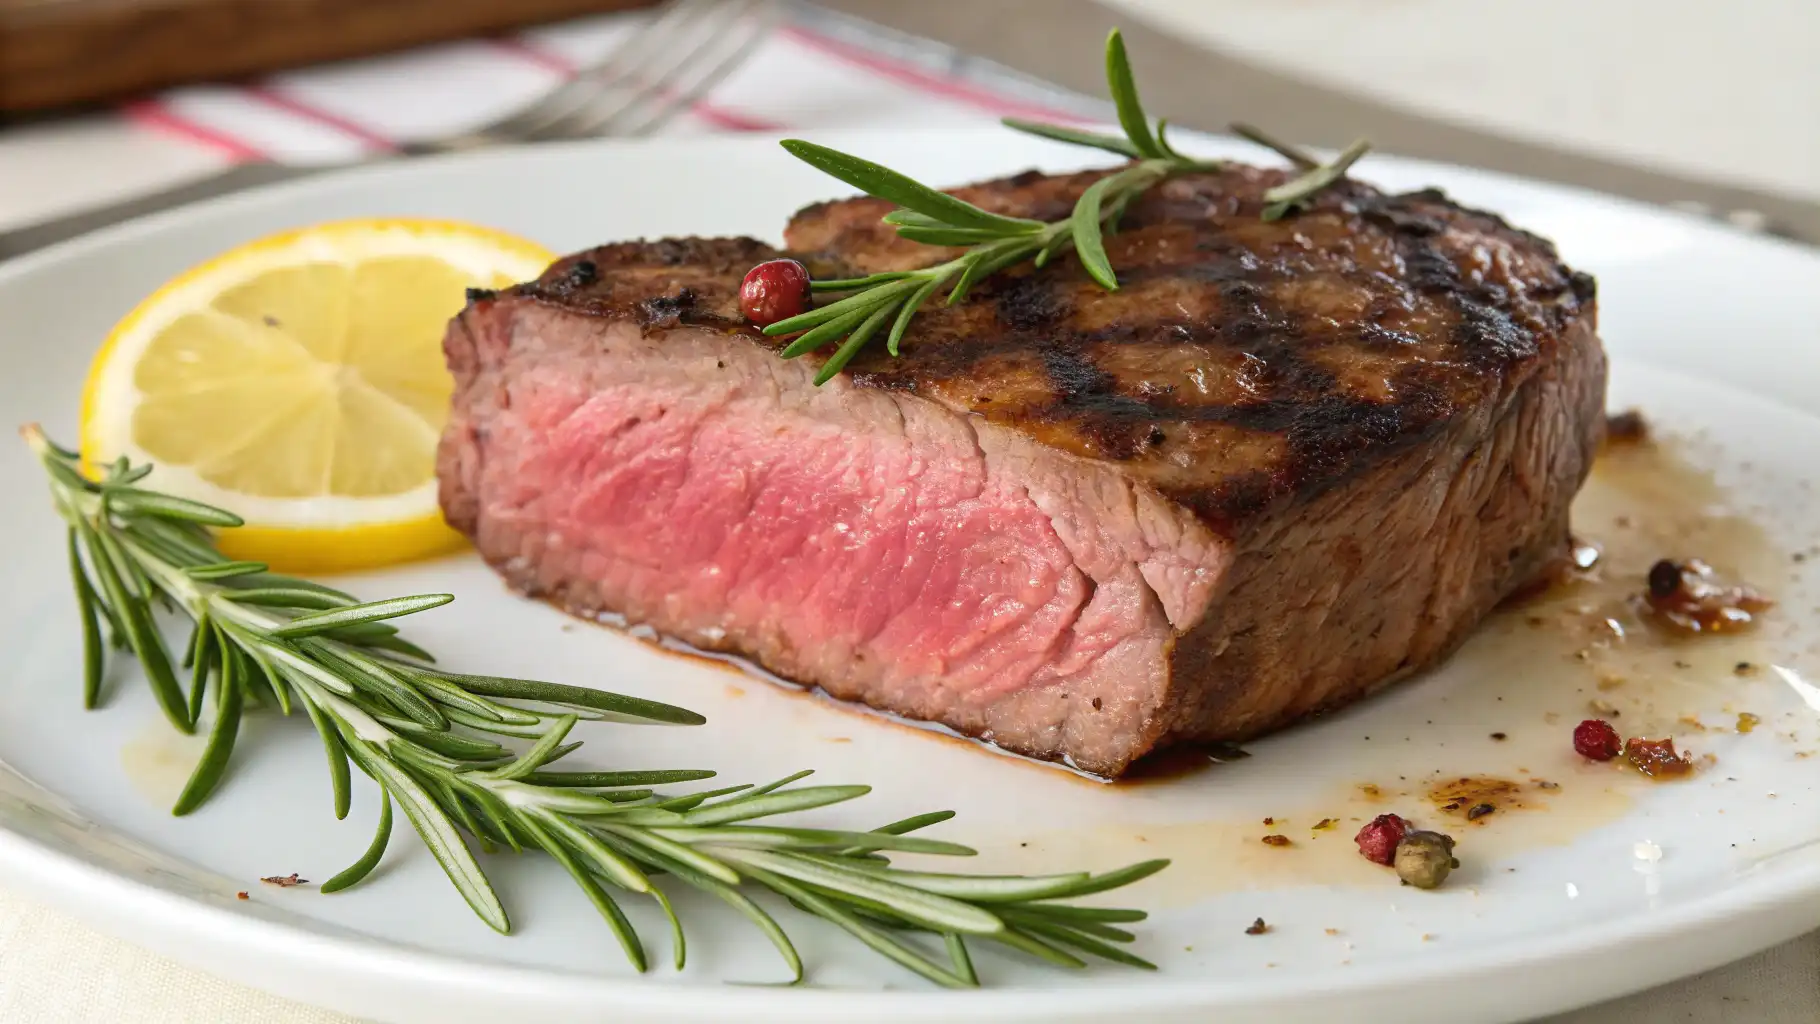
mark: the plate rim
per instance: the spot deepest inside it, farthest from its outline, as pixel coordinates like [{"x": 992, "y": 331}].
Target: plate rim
[
  {"x": 851, "y": 138},
  {"x": 105, "y": 897},
  {"x": 83, "y": 888}
]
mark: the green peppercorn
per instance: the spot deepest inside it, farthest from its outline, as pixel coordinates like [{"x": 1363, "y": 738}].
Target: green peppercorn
[{"x": 1424, "y": 859}]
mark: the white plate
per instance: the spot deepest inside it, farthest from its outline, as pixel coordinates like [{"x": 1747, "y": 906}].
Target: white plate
[{"x": 1738, "y": 870}]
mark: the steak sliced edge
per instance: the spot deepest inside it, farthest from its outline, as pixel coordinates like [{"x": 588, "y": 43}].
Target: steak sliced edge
[{"x": 1285, "y": 464}]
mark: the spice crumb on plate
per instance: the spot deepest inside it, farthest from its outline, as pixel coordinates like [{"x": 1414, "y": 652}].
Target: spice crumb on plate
[
  {"x": 1688, "y": 598},
  {"x": 1379, "y": 838},
  {"x": 1657, "y": 759},
  {"x": 1424, "y": 859},
  {"x": 1627, "y": 427},
  {"x": 1596, "y": 740}
]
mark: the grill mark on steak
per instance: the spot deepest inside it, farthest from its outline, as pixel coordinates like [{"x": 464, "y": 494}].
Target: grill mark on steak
[
  {"x": 1031, "y": 303},
  {"x": 1079, "y": 384},
  {"x": 667, "y": 310},
  {"x": 1291, "y": 461}
]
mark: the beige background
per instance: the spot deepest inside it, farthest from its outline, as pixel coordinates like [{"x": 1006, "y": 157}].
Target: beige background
[{"x": 1722, "y": 88}]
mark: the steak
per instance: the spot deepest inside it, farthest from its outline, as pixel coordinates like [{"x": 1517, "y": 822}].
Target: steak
[{"x": 1283, "y": 465}]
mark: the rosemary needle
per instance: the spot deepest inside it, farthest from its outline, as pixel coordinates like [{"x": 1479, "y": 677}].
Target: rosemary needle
[
  {"x": 1295, "y": 193},
  {"x": 430, "y": 739}
]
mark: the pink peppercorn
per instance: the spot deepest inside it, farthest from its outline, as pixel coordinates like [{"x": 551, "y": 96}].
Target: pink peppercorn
[
  {"x": 1597, "y": 740},
  {"x": 774, "y": 290},
  {"x": 1379, "y": 838}
]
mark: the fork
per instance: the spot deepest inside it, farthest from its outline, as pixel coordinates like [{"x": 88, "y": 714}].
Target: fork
[
  {"x": 686, "y": 49},
  {"x": 663, "y": 69}
]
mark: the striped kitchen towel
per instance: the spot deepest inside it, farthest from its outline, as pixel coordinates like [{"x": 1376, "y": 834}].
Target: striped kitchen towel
[{"x": 816, "y": 69}]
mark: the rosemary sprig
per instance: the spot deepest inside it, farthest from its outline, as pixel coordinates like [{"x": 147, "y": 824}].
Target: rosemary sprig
[
  {"x": 992, "y": 242},
  {"x": 432, "y": 740},
  {"x": 1295, "y": 193}
]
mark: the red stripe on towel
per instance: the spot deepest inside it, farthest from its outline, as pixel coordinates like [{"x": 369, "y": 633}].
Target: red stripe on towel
[
  {"x": 309, "y": 112},
  {"x": 910, "y": 75},
  {"x": 713, "y": 113},
  {"x": 155, "y": 115}
]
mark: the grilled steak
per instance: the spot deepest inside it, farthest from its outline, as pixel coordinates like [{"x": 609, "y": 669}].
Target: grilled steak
[{"x": 1285, "y": 464}]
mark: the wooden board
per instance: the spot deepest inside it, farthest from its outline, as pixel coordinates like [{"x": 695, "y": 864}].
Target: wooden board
[{"x": 58, "y": 53}]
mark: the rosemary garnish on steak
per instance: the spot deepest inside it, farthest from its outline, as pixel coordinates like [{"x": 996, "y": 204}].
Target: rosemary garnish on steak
[
  {"x": 1294, "y": 194},
  {"x": 994, "y": 242},
  {"x": 430, "y": 738}
]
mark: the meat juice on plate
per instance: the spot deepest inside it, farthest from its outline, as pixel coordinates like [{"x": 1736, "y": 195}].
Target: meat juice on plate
[
  {"x": 159, "y": 760},
  {"x": 1482, "y": 749}
]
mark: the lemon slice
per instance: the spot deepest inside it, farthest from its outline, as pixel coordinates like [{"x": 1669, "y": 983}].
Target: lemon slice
[{"x": 298, "y": 381}]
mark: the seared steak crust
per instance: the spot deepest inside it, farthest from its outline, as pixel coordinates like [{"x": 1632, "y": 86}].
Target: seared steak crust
[
  {"x": 1284, "y": 464},
  {"x": 1240, "y": 361}
]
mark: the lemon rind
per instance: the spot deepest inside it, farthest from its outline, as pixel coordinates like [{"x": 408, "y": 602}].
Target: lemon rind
[{"x": 110, "y": 395}]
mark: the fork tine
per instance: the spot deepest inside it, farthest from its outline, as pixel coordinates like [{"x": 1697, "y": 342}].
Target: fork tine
[
  {"x": 686, "y": 21},
  {"x": 717, "y": 44},
  {"x": 643, "y": 79},
  {"x": 674, "y": 17},
  {"x": 706, "y": 75}
]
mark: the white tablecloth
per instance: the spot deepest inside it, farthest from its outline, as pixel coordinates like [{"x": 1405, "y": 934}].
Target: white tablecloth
[
  {"x": 1728, "y": 90},
  {"x": 1736, "y": 96}
]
